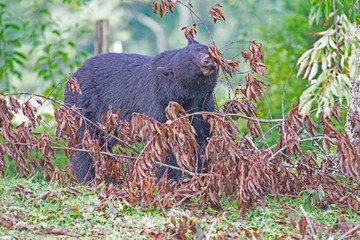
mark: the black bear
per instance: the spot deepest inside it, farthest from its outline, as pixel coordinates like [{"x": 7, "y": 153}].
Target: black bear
[{"x": 143, "y": 84}]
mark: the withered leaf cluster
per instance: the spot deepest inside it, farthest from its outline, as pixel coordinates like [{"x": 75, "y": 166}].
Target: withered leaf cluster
[
  {"x": 255, "y": 58},
  {"x": 240, "y": 166},
  {"x": 216, "y": 14},
  {"x": 164, "y": 6},
  {"x": 18, "y": 142}
]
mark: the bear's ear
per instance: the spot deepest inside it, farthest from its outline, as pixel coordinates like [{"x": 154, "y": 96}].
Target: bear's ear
[
  {"x": 191, "y": 40},
  {"x": 167, "y": 70}
]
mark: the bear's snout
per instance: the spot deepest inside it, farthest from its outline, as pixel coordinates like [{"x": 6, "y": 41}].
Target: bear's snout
[{"x": 207, "y": 66}]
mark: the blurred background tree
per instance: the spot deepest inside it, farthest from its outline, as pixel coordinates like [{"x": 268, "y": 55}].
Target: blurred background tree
[{"x": 43, "y": 41}]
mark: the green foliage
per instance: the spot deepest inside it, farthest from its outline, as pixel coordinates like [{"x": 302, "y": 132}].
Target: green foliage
[
  {"x": 10, "y": 40},
  {"x": 283, "y": 30},
  {"x": 310, "y": 197},
  {"x": 335, "y": 52},
  {"x": 36, "y": 42},
  {"x": 35, "y": 209},
  {"x": 321, "y": 10}
]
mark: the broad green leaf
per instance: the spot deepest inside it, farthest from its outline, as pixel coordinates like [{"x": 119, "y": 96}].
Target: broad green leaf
[
  {"x": 56, "y": 32},
  {"x": 323, "y": 62},
  {"x": 14, "y": 42},
  {"x": 42, "y": 73},
  {"x": 327, "y": 107},
  {"x": 45, "y": 11},
  {"x": 72, "y": 44},
  {"x": 345, "y": 79},
  {"x": 321, "y": 43},
  {"x": 307, "y": 72},
  {"x": 352, "y": 66},
  {"x": 13, "y": 26},
  {"x": 305, "y": 107},
  {"x": 20, "y": 54},
  {"x": 40, "y": 60},
  {"x": 314, "y": 70},
  {"x": 302, "y": 67},
  {"x": 315, "y": 56},
  {"x": 319, "y": 14},
  {"x": 312, "y": 14},
  {"x": 329, "y": 60},
  {"x": 332, "y": 43},
  {"x": 18, "y": 61},
  {"x": 305, "y": 56}
]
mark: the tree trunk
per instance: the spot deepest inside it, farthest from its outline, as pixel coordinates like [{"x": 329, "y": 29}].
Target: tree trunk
[
  {"x": 102, "y": 41},
  {"x": 353, "y": 115}
]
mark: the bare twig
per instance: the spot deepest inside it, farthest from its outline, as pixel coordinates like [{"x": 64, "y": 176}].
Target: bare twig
[
  {"x": 349, "y": 232},
  {"x": 74, "y": 111},
  {"x": 277, "y": 152},
  {"x": 74, "y": 149},
  {"x": 218, "y": 114},
  {"x": 336, "y": 34},
  {"x": 208, "y": 235},
  {"x": 267, "y": 133},
  {"x": 252, "y": 143},
  {"x": 282, "y": 102},
  {"x": 201, "y": 21},
  {"x": 309, "y": 222}
]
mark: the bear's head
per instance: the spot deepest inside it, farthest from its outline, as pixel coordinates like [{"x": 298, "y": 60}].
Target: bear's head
[{"x": 192, "y": 67}]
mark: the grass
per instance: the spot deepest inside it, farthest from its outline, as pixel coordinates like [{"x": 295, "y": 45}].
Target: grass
[{"x": 35, "y": 209}]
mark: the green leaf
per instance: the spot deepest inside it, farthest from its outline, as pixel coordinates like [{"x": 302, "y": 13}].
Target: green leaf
[
  {"x": 312, "y": 14},
  {"x": 43, "y": 27},
  {"x": 44, "y": 11},
  {"x": 48, "y": 47},
  {"x": 332, "y": 43},
  {"x": 313, "y": 72},
  {"x": 42, "y": 73},
  {"x": 9, "y": 63},
  {"x": 323, "y": 62},
  {"x": 14, "y": 42},
  {"x": 18, "y": 61},
  {"x": 327, "y": 10},
  {"x": 13, "y": 26},
  {"x": 40, "y": 60},
  {"x": 319, "y": 14},
  {"x": 56, "y": 32},
  {"x": 20, "y": 54},
  {"x": 71, "y": 44},
  {"x": 2, "y": 71}
]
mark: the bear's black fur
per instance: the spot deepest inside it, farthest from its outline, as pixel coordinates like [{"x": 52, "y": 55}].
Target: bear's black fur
[{"x": 143, "y": 84}]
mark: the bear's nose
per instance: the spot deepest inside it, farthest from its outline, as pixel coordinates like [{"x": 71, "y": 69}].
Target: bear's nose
[{"x": 206, "y": 61}]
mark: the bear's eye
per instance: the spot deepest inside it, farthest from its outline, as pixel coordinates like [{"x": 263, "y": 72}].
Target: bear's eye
[{"x": 189, "y": 63}]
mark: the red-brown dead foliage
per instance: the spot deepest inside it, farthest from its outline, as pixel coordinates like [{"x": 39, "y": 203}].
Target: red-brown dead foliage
[
  {"x": 237, "y": 169},
  {"x": 240, "y": 166}
]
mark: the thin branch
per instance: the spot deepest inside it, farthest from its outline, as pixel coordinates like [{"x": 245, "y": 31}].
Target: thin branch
[
  {"x": 201, "y": 21},
  {"x": 218, "y": 114},
  {"x": 309, "y": 222},
  {"x": 208, "y": 235},
  {"x": 277, "y": 152},
  {"x": 349, "y": 232},
  {"x": 113, "y": 155},
  {"x": 267, "y": 133},
  {"x": 282, "y": 102},
  {"x": 252, "y": 143},
  {"x": 336, "y": 34},
  {"x": 74, "y": 110},
  {"x": 72, "y": 149}
]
